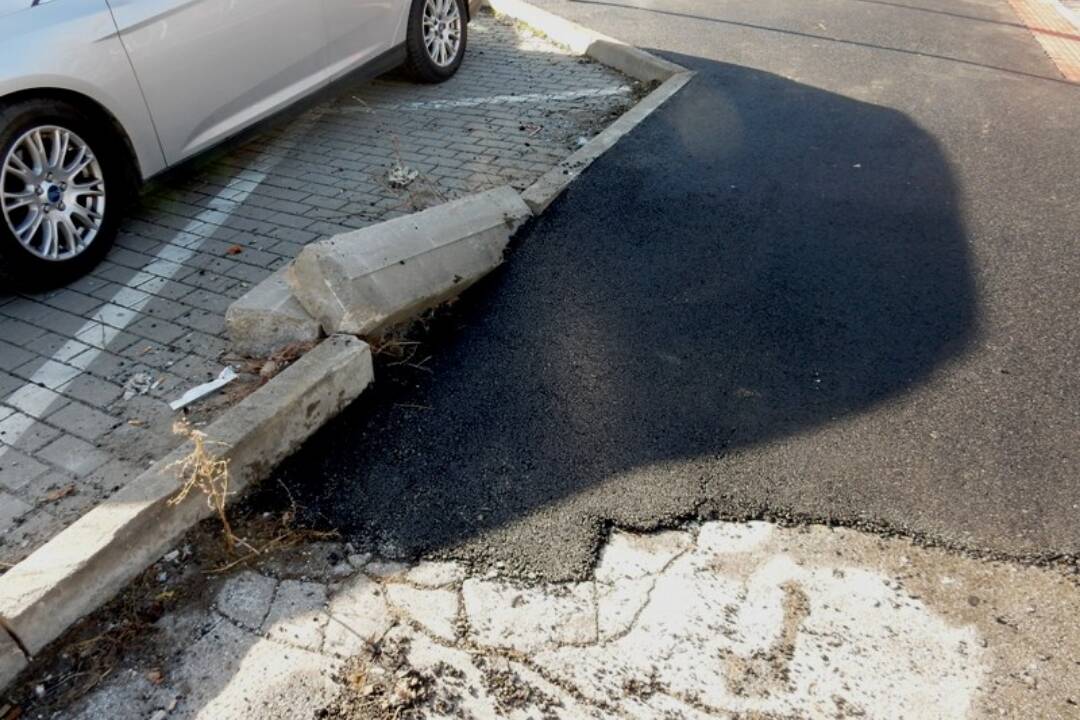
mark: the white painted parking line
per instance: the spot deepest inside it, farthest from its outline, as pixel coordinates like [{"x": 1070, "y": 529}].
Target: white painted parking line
[
  {"x": 518, "y": 99},
  {"x": 100, "y": 334}
]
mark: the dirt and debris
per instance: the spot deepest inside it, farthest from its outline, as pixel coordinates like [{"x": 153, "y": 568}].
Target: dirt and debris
[
  {"x": 401, "y": 176},
  {"x": 139, "y": 384},
  {"x": 380, "y": 685}
]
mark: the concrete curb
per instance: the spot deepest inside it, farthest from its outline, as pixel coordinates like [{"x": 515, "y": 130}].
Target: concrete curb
[
  {"x": 367, "y": 280},
  {"x": 628, "y": 59},
  {"x": 93, "y": 559},
  {"x": 268, "y": 317}
]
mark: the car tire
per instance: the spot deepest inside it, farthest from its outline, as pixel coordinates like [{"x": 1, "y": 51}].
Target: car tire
[
  {"x": 57, "y": 221},
  {"x": 436, "y": 40}
]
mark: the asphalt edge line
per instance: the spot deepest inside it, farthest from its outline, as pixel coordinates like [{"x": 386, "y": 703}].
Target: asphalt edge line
[{"x": 95, "y": 557}]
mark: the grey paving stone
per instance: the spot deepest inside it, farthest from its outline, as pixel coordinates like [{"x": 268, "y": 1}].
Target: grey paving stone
[
  {"x": 33, "y": 529},
  {"x": 73, "y": 301},
  {"x": 56, "y": 347},
  {"x": 18, "y": 332},
  {"x": 48, "y": 373},
  {"x": 160, "y": 330},
  {"x": 26, "y": 433},
  {"x": 105, "y": 337},
  {"x": 36, "y": 401},
  {"x": 74, "y": 455},
  {"x": 12, "y": 356},
  {"x": 17, "y": 469},
  {"x": 82, "y": 421},
  {"x": 103, "y": 364},
  {"x": 246, "y": 598},
  {"x": 44, "y": 488},
  {"x": 71, "y": 501},
  {"x": 117, "y": 316},
  {"x": 11, "y": 509},
  {"x": 92, "y": 391},
  {"x": 9, "y": 384}
]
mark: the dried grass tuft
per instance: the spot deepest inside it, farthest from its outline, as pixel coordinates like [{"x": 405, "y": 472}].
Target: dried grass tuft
[{"x": 205, "y": 472}]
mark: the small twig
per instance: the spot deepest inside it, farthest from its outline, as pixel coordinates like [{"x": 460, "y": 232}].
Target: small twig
[
  {"x": 292, "y": 500},
  {"x": 255, "y": 553},
  {"x": 406, "y": 360}
]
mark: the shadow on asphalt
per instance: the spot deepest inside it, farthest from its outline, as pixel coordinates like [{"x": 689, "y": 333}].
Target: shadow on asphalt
[{"x": 759, "y": 259}]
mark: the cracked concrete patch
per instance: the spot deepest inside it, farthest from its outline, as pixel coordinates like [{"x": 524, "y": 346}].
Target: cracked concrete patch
[
  {"x": 358, "y": 617},
  {"x": 527, "y": 619},
  {"x": 435, "y": 610},
  {"x": 725, "y": 620},
  {"x": 246, "y": 598},
  {"x": 296, "y": 616}
]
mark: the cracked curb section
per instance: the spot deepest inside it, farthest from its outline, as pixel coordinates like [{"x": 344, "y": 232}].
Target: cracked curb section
[{"x": 13, "y": 657}]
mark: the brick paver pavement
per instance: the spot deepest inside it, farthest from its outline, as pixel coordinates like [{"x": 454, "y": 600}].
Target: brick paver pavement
[{"x": 86, "y": 371}]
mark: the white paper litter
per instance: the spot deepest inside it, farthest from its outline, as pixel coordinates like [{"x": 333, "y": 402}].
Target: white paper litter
[{"x": 198, "y": 393}]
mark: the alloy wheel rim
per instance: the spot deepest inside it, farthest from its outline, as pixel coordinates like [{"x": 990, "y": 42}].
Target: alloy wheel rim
[
  {"x": 442, "y": 31},
  {"x": 52, "y": 193}
]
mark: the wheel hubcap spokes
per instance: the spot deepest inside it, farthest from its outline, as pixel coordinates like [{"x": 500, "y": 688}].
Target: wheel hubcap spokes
[
  {"x": 52, "y": 193},
  {"x": 442, "y": 31}
]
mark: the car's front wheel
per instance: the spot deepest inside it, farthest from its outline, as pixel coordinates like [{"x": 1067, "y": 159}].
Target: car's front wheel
[
  {"x": 62, "y": 183},
  {"x": 437, "y": 36}
]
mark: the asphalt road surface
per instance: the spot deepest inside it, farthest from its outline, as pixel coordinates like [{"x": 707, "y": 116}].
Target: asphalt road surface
[{"x": 836, "y": 278}]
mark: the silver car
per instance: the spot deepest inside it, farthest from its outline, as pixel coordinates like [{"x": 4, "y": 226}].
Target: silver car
[{"x": 98, "y": 95}]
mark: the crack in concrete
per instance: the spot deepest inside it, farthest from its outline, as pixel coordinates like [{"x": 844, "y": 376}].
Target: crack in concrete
[
  {"x": 6, "y": 627},
  {"x": 648, "y": 593}
]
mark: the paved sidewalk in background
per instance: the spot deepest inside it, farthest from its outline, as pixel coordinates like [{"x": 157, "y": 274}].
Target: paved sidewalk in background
[
  {"x": 86, "y": 371},
  {"x": 717, "y": 620}
]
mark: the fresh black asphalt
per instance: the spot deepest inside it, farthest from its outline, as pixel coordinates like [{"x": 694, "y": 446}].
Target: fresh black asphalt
[{"x": 836, "y": 278}]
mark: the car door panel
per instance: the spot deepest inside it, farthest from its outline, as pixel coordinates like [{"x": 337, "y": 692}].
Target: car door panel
[
  {"x": 360, "y": 30},
  {"x": 41, "y": 45},
  {"x": 209, "y": 68}
]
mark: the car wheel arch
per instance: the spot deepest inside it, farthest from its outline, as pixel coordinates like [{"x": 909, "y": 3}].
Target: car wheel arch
[{"x": 93, "y": 109}]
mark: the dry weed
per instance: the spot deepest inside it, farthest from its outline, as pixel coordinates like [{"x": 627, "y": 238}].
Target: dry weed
[{"x": 205, "y": 472}]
